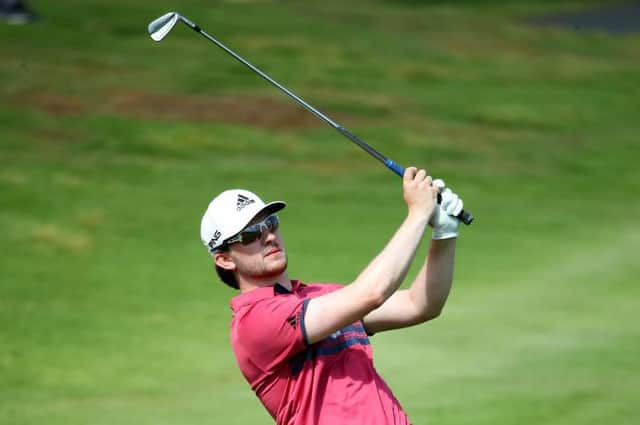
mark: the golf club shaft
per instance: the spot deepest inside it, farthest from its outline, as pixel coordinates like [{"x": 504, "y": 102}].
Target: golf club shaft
[
  {"x": 398, "y": 169},
  {"x": 464, "y": 216}
]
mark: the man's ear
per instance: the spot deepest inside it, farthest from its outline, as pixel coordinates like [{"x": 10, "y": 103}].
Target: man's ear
[{"x": 223, "y": 260}]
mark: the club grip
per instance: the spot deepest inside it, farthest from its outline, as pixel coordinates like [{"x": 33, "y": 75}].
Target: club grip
[
  {"x": 395, "y": 167},
  {"x": 465, "y": 216}
]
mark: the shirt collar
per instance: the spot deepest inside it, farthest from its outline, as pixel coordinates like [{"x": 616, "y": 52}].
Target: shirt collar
[{"x": 264, "y": 292}]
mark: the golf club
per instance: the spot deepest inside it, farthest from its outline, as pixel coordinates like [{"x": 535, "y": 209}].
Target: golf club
[{"x": 160, "y": 27}]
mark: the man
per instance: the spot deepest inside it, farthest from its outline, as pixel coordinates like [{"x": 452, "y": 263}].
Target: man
[{"x": 304, "y": 348}]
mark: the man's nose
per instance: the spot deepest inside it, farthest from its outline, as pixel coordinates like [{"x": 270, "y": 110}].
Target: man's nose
[{"x": 267, "y": 235}]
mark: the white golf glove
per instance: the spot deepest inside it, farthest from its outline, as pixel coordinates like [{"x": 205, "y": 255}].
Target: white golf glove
[{"x": 444, "y": 221}]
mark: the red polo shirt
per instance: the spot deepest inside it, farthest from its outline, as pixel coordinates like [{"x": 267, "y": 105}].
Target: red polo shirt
[{"x": 327, "y": 383}]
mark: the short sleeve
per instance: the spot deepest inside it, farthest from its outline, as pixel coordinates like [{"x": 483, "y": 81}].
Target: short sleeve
[{"x": 272, "y": 331}]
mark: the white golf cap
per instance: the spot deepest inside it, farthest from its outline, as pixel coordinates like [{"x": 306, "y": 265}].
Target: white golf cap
[{"x": 229, "y": 213}]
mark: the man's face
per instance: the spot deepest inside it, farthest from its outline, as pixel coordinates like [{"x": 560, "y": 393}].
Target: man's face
[{"x": 263, "y": 258}]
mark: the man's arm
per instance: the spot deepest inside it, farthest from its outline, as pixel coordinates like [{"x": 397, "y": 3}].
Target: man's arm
[
  {"x": 380, "y": 279},
  {"x": 426, "y": 296}
]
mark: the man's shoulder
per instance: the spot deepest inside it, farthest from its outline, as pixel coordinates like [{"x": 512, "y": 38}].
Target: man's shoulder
[
  {"x": 247, "y": 299},
  {"x": 315, "y": 289},
  {"x": 273, "y": 294}
]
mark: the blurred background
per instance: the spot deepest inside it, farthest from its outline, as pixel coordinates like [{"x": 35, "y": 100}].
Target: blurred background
[{"x": 111, "y": 147}]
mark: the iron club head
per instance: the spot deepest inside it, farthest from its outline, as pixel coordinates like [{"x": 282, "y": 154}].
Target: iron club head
[{"x": 161, "y": 26}]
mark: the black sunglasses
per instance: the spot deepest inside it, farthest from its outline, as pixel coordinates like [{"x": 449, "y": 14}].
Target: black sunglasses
[{"x": 255, "y": 231}]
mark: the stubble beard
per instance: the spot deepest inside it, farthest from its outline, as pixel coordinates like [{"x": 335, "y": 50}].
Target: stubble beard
[{"x": 264, "y": 268}]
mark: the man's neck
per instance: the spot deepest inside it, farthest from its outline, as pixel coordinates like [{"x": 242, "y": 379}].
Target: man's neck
[{"x": 249, "y": 285}]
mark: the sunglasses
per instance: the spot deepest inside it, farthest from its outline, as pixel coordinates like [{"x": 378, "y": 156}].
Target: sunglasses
[{"x": 254, "y": 232}]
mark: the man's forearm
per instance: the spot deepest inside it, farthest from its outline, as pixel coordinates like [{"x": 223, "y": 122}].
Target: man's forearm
[
  {"x": 431, "y": 288},
  {"x": 377, "y": 282},
  {"x": 386, "y": 272}
]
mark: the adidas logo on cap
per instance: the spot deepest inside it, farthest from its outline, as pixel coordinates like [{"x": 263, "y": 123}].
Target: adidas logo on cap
[{"x": 243, "y": 201}]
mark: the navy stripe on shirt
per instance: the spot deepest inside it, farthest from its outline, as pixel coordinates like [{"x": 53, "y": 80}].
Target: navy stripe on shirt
[
  {"x": 320, "y": 349},
  {"x": 303, "y": 328}
]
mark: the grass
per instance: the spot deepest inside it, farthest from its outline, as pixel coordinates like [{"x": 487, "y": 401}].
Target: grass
[{"x": 111, "y": 147}]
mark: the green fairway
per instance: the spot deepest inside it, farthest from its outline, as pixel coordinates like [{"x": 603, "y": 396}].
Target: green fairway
[{"x": 111, "y": 147}]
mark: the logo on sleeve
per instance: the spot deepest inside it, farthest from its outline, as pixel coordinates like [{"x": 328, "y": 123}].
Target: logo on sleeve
[
  {"x": 292, "y": 320},
  {"x": 242, "y": 202}
]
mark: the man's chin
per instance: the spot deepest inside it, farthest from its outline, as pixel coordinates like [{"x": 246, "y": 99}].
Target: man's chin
[{"x": 277, "y": 269}]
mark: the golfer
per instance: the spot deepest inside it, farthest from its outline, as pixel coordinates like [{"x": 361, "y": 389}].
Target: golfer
[{"x": 304, "y": 347}]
